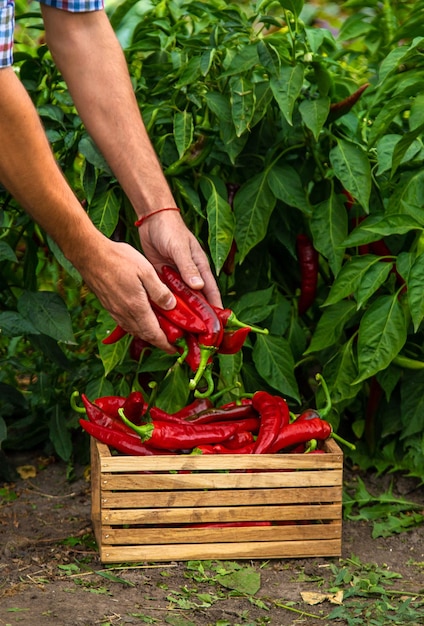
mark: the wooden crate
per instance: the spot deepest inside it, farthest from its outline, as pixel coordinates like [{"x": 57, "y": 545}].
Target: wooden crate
[{"x": 141, "y": 504}]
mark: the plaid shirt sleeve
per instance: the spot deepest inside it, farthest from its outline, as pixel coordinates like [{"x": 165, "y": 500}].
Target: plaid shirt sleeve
[
  {"x": 75, "y": 6},
  {"x": 7, "y": 21}
]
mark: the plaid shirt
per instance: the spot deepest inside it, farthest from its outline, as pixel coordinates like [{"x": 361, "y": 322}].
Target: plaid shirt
[{"x": 7, "y": 21}]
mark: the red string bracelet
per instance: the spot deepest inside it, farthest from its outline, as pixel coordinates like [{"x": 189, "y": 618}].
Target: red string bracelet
[{"x": 146, "y": 217}]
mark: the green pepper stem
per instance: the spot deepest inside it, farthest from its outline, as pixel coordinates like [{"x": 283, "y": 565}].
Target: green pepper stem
[
  {"x": 216, "y": 396},
  {"x": 346, "y": 443},
  {"x": 234, "y": 321},
  {"x": 73, "y": 401},
  {"x": 328, "y": 404},
  {"x": 145, "y": 431},
  {"x": 205, "y": 353},
  {"x": 207, "y": 375}
]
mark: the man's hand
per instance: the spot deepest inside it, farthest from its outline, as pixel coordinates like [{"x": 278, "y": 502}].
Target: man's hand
[{"x": 165, "y": 239}]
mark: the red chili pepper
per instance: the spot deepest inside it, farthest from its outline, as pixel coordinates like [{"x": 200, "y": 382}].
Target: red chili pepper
[
  {"x": 177, "y": 436},
  {"x": 239, "y": 440},
  {"x": 233, "y": 340},
  {"x": 110, "y": 404},
  {"x": 123, "y": 442},
  {"x": 172, "y": 331},
  {"x": 222, "y": 449},
  {"x": 308, "y": 262},
  {"x": 220, "y": 414},
  {"x": 210, "y": 339},
  {"x": 337, "y": 109},
  {"x": 194, "y": 408},
  {"x": 182, "y": 316},
  {"x": 274, "y": 413},
  {"x": 157, "y": 413},
  {"x": 301, "y": 432},
  {"x": 97, "y": 416},
  {"x": 117, "y": 333},
  {"x": 135, "y": 407}
]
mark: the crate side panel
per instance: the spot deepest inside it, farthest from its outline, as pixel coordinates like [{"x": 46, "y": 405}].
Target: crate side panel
[
  {"x": 250, "y": 550},
  {"x": 286, "y": 532}
]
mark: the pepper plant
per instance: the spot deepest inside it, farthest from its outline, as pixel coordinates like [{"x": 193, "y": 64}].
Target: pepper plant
[{"x": 248, "y": 106}]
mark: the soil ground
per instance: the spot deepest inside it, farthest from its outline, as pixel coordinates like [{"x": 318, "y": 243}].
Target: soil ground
[{"x": 50, "y": 572}]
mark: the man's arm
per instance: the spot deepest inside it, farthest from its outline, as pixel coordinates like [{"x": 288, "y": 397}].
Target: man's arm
[
  {"x": 90, "y": 58},
  {"x": 116, "y": 272}
]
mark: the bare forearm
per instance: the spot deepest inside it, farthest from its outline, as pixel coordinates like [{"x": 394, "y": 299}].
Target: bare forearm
[
  {"x": 89, "y": 56},
  {"x": 29, "y": 171}
]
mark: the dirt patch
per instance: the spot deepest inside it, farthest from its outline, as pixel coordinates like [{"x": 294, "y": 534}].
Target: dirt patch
[{"x": 50, "y": 572}]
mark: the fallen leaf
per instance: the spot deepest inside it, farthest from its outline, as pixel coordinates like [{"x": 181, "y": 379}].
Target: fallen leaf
[
  {"x": 26, "y": 471},
  {"x": 311, "y": 597}
]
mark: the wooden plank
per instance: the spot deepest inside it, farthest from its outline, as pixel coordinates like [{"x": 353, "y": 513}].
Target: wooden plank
[
  {"x": 234, "y": 497},
  {"x": 251, "y": 550},
  {"x": 221, "y": 514},
  {"x": 149, "y": 536},
  {"x": 168, "y": 482}
]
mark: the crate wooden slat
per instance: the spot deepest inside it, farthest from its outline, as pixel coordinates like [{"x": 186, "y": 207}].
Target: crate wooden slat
[{"x": 144, "y": 508}]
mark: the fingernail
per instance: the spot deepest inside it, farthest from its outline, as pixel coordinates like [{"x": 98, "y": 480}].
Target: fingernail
[
  {"x": 170, "y": 303},
  {"x": 196, "y": 281}
]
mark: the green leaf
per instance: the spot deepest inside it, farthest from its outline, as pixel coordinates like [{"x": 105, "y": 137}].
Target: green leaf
[
  {"x": 89, "y": 150},
  {"x": 286, "y": 184},
  {"x": 415, "y": 291},
  {"x": 60, "y": 435},
  {"x": 352, "y": 168},
  {"x": 330, "y": 325},
  {"x": 286, "y": 88},
  {"x": 7, "y": 253},
  {"x": 221, "y": 222},
  {"x": 253, "y": 205},
  {"x": 12, "y": 324},
  {"x": 242, "y": 103},
  {"x": 173, "y": 390},
  {"x": 183, "y": 131},
  {"x": 294, "y": 6},
  {"x": 340, "y": 372},
  {"x": 245, "y": 580},
  {"x": 408, "y": 141},
  {"x": 412, "y": 403},
  {"x": 3, "y": 430},
  {"x": 274, "y": 361},
  {"x": 48, "y": 313},
  {"x": 382, "y": 334},
  {"x": 314, "y": 113},
  {"x": 329, "y": 227},
  {"x": 104, "y": 211},
  {"x": 350, "y": 277},
  {"x": 372, "y": 281}
]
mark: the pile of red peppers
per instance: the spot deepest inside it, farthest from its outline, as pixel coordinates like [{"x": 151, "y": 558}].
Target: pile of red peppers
[
  {"x": 260, "y": 423},
  {"x": 197, "y": 329}
]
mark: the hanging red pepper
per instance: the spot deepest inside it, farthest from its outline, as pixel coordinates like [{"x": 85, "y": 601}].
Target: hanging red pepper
[
  {"x": 177, "y": 436},
  {"x": 308, "y": 263},
  {"x": 117, "y": 333},
  {"x": 337, "y": 109}
]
